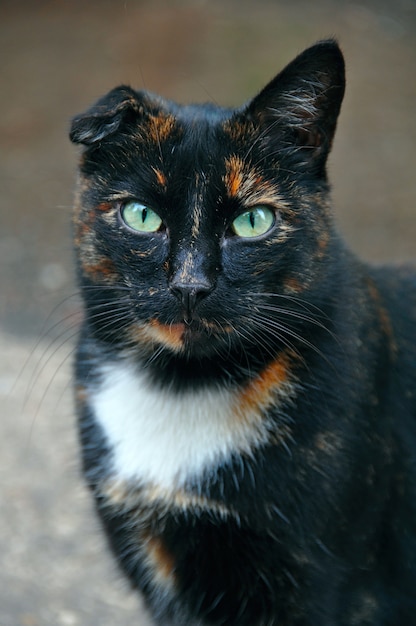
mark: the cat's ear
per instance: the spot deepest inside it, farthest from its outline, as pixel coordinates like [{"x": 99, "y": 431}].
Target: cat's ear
[
  {"x": 105, "y": 117},
  {"x": 300, "y": 106}
]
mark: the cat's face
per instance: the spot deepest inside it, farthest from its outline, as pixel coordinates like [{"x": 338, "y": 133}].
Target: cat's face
[{"x": 200, "y": 230}]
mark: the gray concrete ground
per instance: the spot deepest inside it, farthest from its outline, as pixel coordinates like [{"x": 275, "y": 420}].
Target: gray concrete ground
[
  {"x": 55, "y": 568},
  {"x": 56, "y": 58}
]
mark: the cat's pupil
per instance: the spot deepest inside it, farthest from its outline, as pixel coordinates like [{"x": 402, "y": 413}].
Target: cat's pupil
[{"x": 252, "y": 219}]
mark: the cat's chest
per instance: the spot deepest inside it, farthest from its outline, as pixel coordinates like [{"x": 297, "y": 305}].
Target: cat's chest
[{"x": 165, "y": 438}]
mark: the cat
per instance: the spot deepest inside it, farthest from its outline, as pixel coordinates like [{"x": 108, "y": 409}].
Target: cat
[{"x": 245, "y": 386}]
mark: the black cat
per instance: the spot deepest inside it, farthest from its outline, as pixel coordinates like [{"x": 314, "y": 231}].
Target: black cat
[{"x": 246, "y": 387}]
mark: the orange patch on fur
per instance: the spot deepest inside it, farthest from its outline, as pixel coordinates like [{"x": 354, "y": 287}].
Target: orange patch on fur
[
  {"x": 105, "y": 206},
  {"x": 239, "y": 131},
  {"x": 160, "y": 559},
  {"x": 260, "y": 392},
  {"x": 83, "y": 225},
  {"x": 160, "y": 177},
  {"x": 170, "y": 335},
  {"x": 234, "y": 176},
  {"x": 246, "y": 183},
  {"x": 293, "y": 285},
  {"x": 160, "y": 127},
  {"x": 102, "y": 269}
]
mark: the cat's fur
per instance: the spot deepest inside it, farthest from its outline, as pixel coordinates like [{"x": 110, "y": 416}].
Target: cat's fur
[{"x": 247, "y": 406}]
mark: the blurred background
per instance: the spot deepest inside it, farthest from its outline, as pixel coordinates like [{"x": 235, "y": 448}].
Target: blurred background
[{"x": 57, "y": 57}]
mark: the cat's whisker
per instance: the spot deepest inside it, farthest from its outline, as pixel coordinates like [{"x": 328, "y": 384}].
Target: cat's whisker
[
  {"x": 47, "y": 356},
  {"x": 263, "y": 334},
  {"x": 103, "y": 287},
  {"x": 44, "y": 332},
  {"x": 274, "y": 324},
  {"x": 154, "y": 356},
  {"x": 39, "y": 365},
  {"x": 305, "y": 304},
  {"x": 284, "y": 330},
  {"x": 314, "y": 315},
  {"x": 256, "y": 335},
  {"x": 51, "y": 381},
  {"x": 240, "y": 336},
  {"x": 294, "y": 314}
]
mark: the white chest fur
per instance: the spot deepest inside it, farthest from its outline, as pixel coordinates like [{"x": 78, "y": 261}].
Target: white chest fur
[{"x": 165, "y": 438}]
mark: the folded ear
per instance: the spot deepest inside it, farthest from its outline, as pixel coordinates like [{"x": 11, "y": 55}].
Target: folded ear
[
  {"x": 105, "y": 116},
  {"x": 300, "y": 106}
]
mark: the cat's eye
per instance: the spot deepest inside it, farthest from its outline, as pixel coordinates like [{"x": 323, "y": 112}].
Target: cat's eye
[
  {"x": 254, "y": 223},
  {"x": 141, "y": 218}
]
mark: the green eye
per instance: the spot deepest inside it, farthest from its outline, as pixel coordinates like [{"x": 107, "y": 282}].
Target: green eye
[
  {"x": 253, "y": 223},
  {"x": 140, "y": 218}
]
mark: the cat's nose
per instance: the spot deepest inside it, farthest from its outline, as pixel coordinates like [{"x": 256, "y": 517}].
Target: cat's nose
[{"x": 189, "y": 295}]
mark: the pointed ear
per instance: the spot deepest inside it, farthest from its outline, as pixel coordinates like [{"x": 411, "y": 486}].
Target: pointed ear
[
  {"x": 300, "y": 106},
  {"x": 105, "y": 117}
]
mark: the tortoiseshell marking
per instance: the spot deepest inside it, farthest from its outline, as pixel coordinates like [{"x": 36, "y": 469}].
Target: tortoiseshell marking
[
  {"x": 234, "y": 177},
  {"x": 239, "y": 131},
  {"x": 385, "y": 321},
  {"x": 160, "y": 127},
  {"x": 160, "y": 177},
  {"x": 260, "y": 392},
  {"x": 170, "y": 335},
  {"x": 293, "y": 285},
  {"x": 101, "y": 269},
  {"x": 159, "y": 559},
  {"x": 244, "y": 183},
  {"x": 105, "y": 206}
]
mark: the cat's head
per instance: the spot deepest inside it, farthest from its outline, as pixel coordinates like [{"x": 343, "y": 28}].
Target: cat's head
[{"x": 201, "y": 230}]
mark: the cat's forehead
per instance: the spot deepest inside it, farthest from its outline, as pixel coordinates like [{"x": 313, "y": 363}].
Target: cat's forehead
[
  {"x": 211, "y": 141},
  {"x": 164, "y": 120},
  {"x": 202, "y": 135}
]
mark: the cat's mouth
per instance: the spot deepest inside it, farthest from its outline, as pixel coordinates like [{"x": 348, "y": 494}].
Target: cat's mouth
[{"x": 181, "y": 336}]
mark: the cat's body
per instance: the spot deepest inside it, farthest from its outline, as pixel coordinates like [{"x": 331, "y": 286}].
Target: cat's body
[{"x": 246, "y": 387}]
